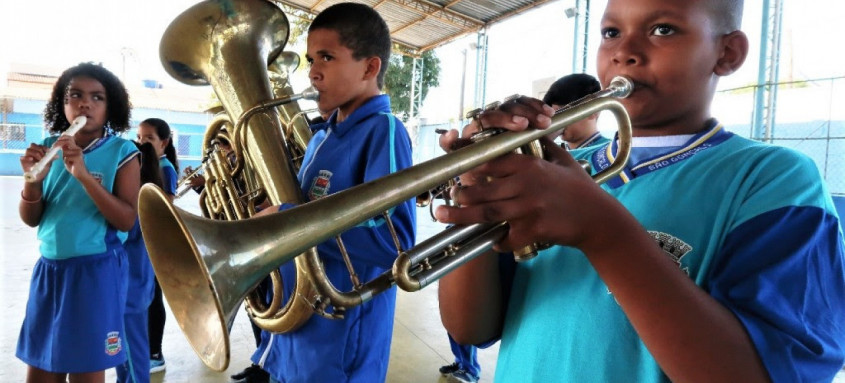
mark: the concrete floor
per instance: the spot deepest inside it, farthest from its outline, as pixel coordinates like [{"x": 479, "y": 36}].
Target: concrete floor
[{"x": 419, "y": 348}]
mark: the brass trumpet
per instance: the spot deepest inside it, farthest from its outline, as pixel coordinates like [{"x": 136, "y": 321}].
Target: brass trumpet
[
  {"x": 217, "y": 269},
  {"x": 184, "y": 183}
]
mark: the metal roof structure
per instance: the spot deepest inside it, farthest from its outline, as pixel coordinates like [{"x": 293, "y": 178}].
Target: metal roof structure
[{"x": 420, "y": 25}]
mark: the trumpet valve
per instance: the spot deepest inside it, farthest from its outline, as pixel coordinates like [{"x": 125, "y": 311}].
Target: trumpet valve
[
  {"x": 530, "y": 251},
  {"x": 473, "y": 114},
  {"x": 492, "y": 105}
]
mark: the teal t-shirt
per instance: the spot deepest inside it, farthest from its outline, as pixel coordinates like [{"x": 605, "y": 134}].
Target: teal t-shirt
[
  {"x": 71, "y": 225},
  {"x": 750, "y": 223}
]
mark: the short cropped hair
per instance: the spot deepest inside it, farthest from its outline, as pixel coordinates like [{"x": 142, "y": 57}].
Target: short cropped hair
[
  {"x": 570, "y": 88},
  {"x": 361, "y": 29},
  {"x": 726, "y": 15},
  {"x": 118, "y": 107}
]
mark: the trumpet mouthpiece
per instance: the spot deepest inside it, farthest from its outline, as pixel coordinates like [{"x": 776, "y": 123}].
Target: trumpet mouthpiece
[
  {"x": 310, "y": 94},
  {"x": 621, "y": 86}
]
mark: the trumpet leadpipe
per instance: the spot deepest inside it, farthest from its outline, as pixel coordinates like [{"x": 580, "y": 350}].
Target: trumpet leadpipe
[{"x": 39, "y": 166}]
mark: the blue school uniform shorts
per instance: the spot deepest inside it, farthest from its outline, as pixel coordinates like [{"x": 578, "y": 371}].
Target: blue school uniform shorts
[{"x": 74, "y": 315}]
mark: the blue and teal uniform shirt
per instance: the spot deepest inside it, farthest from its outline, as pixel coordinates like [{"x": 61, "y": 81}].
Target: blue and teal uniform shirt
[
  {"x": 752, "y": 224},
  {"x": 371, "y": 143},
  {"x": 595, "y": 139},
  {"x": 71, "y": 224},
  {"x": 169, "y": 177}
]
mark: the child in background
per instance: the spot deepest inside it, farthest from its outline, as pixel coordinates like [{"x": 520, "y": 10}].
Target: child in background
[
  {"x": 157, "y": 132},
  {"x": 348, "y": 48},
  {"x": 566, "y": 90},
  {"x": 73, "y": 326},
  {"x": 141, "y": 288},
  {"x": 712, "y": 258},
  {"x": 466, "y": 368}
]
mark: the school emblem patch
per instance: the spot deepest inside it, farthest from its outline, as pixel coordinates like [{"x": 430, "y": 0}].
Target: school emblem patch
[
  {"x": 320, "y": 186},
  {"x": 673, "y": 246},
  {"x": 113, "y": 345}
]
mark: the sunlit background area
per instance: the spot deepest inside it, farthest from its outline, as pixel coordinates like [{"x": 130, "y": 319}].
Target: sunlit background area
[{"x": 790, "y": 92}]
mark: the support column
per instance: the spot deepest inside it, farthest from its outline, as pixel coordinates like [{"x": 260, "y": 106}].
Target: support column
[
  {"x": 480, "y": 70},
  {"x": 765, "y": 96}
]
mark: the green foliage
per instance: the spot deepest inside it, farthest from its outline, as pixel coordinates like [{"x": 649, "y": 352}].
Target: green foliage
[
  {"x": 397, "y": 80},
  {"x": 299, "y": 22}
]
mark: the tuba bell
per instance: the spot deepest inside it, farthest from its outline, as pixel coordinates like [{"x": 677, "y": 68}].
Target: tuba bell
[{"x": 229, "y": 46}]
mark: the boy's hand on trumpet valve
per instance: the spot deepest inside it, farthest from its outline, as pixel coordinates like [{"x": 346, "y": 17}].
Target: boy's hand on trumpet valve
[
  {"x": 549, "y": 200},
  {"x": 516, "y": 114}
]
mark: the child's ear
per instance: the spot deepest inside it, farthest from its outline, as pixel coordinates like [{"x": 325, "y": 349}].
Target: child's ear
[
  {"x": 734, "y": 51},
  {"x": 373, "y": 67}
]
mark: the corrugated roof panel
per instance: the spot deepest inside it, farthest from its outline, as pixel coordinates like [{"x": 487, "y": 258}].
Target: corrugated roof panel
[{"x": 421, "y": 25}]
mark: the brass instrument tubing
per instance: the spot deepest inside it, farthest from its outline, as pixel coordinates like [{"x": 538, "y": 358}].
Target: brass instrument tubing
[
  {"x": 465, "y": 253},
  {"x": 389, "y": 223},
  {"x": 486, "y": 235},
  {"x": 307, "y": 94},
  {"x": 353, "y": 276},
  {"x": 185, "y": 182},
  {"x": 410, "y": 182}
]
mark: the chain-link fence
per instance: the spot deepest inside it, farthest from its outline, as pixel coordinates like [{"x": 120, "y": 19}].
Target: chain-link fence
[{"x": 809, "y": 118}]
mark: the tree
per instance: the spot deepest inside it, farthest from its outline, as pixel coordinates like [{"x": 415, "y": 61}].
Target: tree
[{"x": 397, "y": 80}]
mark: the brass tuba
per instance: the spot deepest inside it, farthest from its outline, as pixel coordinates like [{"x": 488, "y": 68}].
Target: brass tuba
[{"x": 229, "y": 45}]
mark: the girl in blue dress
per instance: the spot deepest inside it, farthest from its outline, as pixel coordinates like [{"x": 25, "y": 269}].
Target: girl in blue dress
[{"x": 73, "y": 327}]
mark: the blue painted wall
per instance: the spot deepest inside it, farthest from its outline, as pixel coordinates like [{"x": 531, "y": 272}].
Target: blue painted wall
[{"x": 190, "y": 128}]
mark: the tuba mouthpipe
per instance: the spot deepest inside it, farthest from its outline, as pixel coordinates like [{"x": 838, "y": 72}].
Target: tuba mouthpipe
[{"x": 308, "y": 94}]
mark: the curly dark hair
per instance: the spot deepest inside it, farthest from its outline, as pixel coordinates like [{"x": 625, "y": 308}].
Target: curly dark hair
[{"x": 118, "y": 107}]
